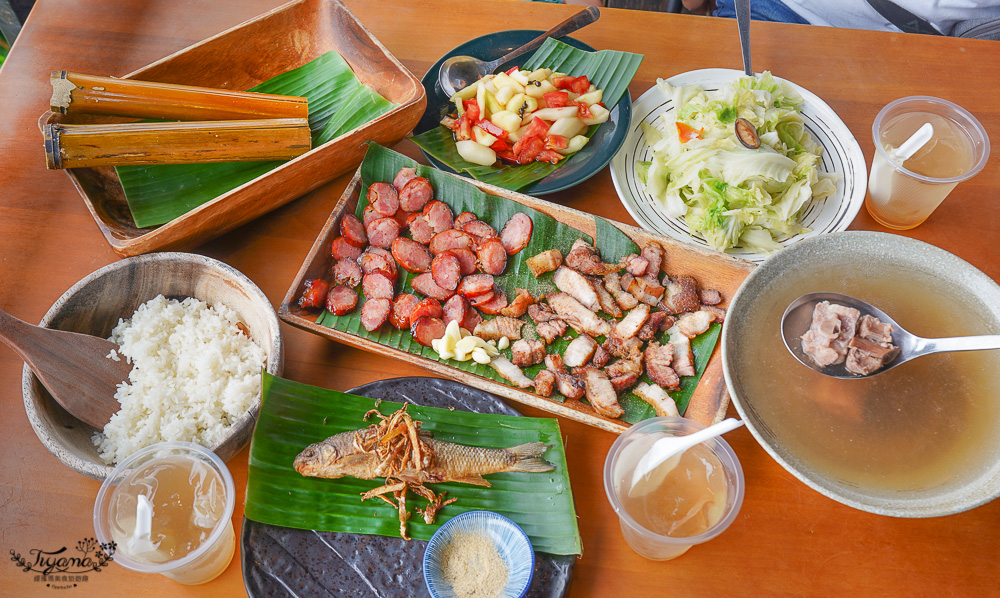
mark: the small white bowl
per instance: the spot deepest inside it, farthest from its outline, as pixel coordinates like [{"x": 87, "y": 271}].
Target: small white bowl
[
  {"x": 94, "y": 305},
  {"x": 510, "y": 541}
]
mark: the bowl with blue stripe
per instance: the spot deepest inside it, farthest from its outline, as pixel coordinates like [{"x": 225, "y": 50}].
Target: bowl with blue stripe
[{"x": 511, "y": 543}]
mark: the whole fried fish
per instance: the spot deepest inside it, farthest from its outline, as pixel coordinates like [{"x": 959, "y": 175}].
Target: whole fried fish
[{"x": 340, "y": 455}]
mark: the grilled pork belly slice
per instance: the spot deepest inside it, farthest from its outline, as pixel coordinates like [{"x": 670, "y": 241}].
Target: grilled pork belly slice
[
  {"x": 545, "y": 261},
  {"x": 613, "y": 283},
  {"x": 576, "y": 285},
  {"x": 693, "y": 323},
  {"x": 551, "y": 330},
  {"x": 525, "y": 353},
  {"x": 683, "y": 362},
  {"x": 601, "y": 394},
  {"x": 653, "y": 326},
  {"x": 498, "y": 328},
  {"x": 658, "y": 398},
  {"x": 576, "y": 315},
  {"x": 607, "y": 302},
  {"x": 510, "y": 372},
  {"x": 658, "y": 358},
  {"x": 544, "y": 382},
  {"x": 629, "y": 325},
  {"x": 579, "y": 351},
  {"x": 584, "y": 258},
  {"x": 681, "y": 294}
]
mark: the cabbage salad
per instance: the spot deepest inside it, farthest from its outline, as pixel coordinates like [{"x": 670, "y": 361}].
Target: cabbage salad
[{"x": 728, "y": 193}]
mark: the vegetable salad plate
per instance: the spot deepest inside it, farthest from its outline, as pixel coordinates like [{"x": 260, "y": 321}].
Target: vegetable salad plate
[
  {"x": 841, "y": 156},
  {"x": 568, "y": 55}
]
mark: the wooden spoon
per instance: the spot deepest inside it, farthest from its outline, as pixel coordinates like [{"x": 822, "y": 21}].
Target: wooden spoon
[{"x": 73, "y": 367}]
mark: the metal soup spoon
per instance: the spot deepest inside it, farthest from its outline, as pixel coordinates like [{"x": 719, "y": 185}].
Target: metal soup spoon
[
  {"x": 459, "y": 72},
  {"x": 798, "y": 316}
]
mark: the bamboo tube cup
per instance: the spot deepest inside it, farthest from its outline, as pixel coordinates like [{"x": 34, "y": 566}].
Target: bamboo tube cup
[
  {"x": 89, "y": 94},
  {"x": 74, "y": 146}
]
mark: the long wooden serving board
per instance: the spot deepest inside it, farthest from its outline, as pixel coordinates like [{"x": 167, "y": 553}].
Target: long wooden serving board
[{"x": 712, "y": 270}]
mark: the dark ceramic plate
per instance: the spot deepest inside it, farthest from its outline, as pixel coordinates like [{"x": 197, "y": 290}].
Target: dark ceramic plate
[
  {"x": 285, "y": 562},
  {"x": 581, "y": 166}
]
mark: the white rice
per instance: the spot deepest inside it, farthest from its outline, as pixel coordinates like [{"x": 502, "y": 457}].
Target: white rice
[{"x": 194, "y": 375}]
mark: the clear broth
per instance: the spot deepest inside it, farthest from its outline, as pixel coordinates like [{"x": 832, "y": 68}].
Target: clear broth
[{"x": 925, "y": 424}]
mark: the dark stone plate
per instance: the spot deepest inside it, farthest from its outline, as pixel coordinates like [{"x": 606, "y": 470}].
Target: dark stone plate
[{"x": 281, "y": 561}]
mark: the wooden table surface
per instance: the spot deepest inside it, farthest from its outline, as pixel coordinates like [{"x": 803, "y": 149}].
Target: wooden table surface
[{"x": 788, "y": 539}]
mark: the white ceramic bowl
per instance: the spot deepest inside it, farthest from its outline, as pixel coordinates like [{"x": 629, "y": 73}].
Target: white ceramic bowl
[
  {"x": 841, "y": 154},
  {"x": 920, "y": 440},
  {"x": 94, "y": 305}
]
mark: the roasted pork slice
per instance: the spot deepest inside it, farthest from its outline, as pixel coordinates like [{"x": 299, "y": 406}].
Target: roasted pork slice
[
  {"x": 583, "y": 257},
  {"x": 629, "y": 325},
  {"x": 658, "y": 358},
  {"x": 576, "y": 315},
  {"x": 693, "y": 323},
  {"x": 709, "y": 296},
  {"x": 865, "y": 357},
  {"x": 519, "y": 306},
  {"x": 545, "y": 261},
  {"x": 626, "y": 349},
  {"x": 646, "y": 290},
  {"x": 683, "y": 362},
  {"x": 539, "y": 312},
  {"x": 613, "y": 283},
  {"x": 601, "y": 357},
  {"x": 601, "y": 394},
  {"x": 681, "y": 294},
  {"x": 608, "y": 303},
  {"x": 525, "y": 353},
  {"x": 575, "y": 284},
  {"x": 544, "y": 382},
  {"x": 579, "y": 351},
  {"x": 658, "y": 398},
  {"x": 498, "y": 328},
  {"x": 653, "y": 326},
  {"x": 832, "y": 328},
  {"x": 551, "y": 330},
  {"x": 623, "y": 367},
  {"x": 569, "y": 385},
  {"x": 635, "y": 264},
  {"x": 510, "y": 372},
  {"x": 653, "y": 254},
  {"x": 625, "y": 382},
  {"x": 715, "y": 310},
  {"x": 554, "y": 362}
]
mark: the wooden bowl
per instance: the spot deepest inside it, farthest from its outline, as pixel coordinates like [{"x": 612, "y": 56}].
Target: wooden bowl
[
  {"x": 246, "y": 55},
  {"x": 94, "y": 306}
]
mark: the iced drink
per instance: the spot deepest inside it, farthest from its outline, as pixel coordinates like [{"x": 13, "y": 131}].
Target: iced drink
[
  {"x": 903, "y": 194},
  {"x": 168, "y": 509}
]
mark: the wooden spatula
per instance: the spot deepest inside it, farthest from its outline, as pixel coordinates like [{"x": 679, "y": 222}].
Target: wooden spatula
[{"x": 73, "y": 367}]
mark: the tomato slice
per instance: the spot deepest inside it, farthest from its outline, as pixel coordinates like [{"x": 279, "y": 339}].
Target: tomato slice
[
  {"x": 583, "y": 110},
  {"x": 537, "y": 128},
  {"x": 500, "y": 145},
  {"x": 471, "y": 110},
  {"x": 556, "y": 99},
  {"x": 547, "y": 155},
  {"x": 578, "y": 85},
  {"x": 556, "y": 142},
  {"x": 686, "y": 132},
  {"x": 529, "y": 150},
  {"x": 492, "y": 129}
]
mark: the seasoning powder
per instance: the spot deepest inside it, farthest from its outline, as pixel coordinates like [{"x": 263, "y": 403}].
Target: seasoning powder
[{"x": 473, "y": 567}]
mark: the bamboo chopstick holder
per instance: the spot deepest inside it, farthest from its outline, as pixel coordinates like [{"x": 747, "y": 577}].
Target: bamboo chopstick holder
[
  {"x": 90, "y": 94},
  {"x": 73, "y": 146}
]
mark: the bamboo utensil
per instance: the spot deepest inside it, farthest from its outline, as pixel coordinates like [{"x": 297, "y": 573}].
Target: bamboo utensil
[
  {"x": 91, "y": 94},
  {"x": 74, "y": 146}
]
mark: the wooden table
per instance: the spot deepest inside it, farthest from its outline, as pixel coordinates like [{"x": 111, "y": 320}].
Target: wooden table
[{"x": 787, "y": 540}]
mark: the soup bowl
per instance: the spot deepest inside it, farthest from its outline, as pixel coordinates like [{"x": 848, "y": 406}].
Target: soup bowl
[{"x": 921, "y": 440}]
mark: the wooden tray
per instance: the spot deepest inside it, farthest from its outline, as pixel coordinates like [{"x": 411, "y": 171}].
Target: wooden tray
[
  {"x": 246, "y": 55},
  {"x": 712, "y": 270}
]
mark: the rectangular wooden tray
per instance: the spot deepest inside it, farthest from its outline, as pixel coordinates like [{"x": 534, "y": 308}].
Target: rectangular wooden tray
[
  {"x": 712, "y": 270},
  {"x": 246, "y": 55}
]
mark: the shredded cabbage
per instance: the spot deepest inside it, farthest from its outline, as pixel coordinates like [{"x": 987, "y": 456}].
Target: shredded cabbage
[{"x": 728, "y": 194}]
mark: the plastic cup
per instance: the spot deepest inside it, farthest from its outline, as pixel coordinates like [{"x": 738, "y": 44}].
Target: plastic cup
[
  {"x": 900, "y": 198},
  {"x": 620, "y": 463},
  {"x": 210, "y": 557}
]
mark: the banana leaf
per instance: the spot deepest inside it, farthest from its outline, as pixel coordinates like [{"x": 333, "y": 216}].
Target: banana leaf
[
  {"x": 338, "y": 103},
  {"x": 294, "y": 415},
  {"x": 382, "y": 164},
  {"x": 609, "y": 70}
]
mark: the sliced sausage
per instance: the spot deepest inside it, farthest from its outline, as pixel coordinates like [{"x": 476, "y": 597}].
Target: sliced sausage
[
  {"x": 429, "y": 307},
  {"x": 353, "y": 231},
  {"x": 411, "y": 255},
  {"x": 415, "y": 194},
  {"x": 456, "y": 309},
  {"x": 419, "y": 229},
  {"x": 377, "y": 286},
  {"x": 477, "y": 300},
  {"x": 479, "y": 229},
  {"x": 472, "y": 319},
  {"x": 463, "y": 218},
  {"x": 382, "y": 232},
  {"x": 438, "y": 215},
  {"x": 492, "y": 256},
  {"x": 341, "y": 300},
  {"x": 425, "y": 329},
  {"x": 384, "y": 198},
  {"x": 347, "y": 271},
  {"x": 342, "y": 249},
  {"x": 516, "y": 233},
  {"x": 403, "y": 176},
  {"x": 496, "y": 304},
  {"x": 446, "y": 269},
  {"x": 314, "y": 294},
  {"x": 402, "y": 307},
  {"x": 374, "y": 313},
  {"x": 477, "y": 284},
  {"x": 466, "y": 257},
  {"x": 402, "y": 216},
  {"x": 425, "y": 285},
  {"x": 450, "y": 239},
  {"x": 369, "y": 215},
  {"x": 376, "y": 259}
]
